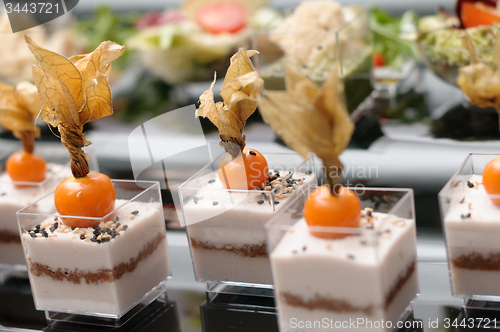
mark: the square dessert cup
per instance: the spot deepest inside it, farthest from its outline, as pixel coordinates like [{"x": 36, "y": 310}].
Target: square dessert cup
[
  {"x": 15, "y": 195},
  {"x": 350, "y": 45},
  {"x": 471, "y": 225},
  {"x": 225, "y": 228},
  {"x": 110, "y": 270},
  {"x": 367, "y": 275}
]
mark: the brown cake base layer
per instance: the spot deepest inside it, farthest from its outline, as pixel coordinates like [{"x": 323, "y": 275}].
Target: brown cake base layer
[
  {"x": 246, "y": 250},
  {"x": 475, "y": 261},
  {"x": 7, "y": 236},
  {"x": 341, "y": 305},
  {"x": 103, "y": 275}
]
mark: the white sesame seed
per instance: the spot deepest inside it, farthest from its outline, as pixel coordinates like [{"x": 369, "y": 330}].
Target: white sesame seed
[
  {"x": 38, "y": 235},
  {"x": 79, "y": 194},
  {"x": 52, "y": 235},
  {"x": 132, "y": 216}
]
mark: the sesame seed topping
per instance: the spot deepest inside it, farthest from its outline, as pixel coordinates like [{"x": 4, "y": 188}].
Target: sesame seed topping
[
  {"x": 215, "y": 203},
  {"x": 211, "y": 181},
  {"x": 464, "y": 216},
  {"x": 82, "y": 237},
  {"x": 135, "y": 212},
  {"x": 469, "y": 184},
  {"x": 252, "y": 153},
  {"x": 125, "y": 227},
  {"x": 132, "y": 216},
  {"x": 260, "y": 201},
  {"x": 462, "y": 200}
]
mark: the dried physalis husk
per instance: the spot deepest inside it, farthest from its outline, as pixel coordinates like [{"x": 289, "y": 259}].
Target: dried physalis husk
[
  {"x": 19, "y": 108},
  {"x": 74, "y": 91},
  {"x": 310, "y": 119},
  {"x": 480, "y": 82},
  {"x": 240, "y": 91}
]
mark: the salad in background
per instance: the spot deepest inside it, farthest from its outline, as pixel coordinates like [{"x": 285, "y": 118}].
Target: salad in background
[
  {"x": 190, "y": 43},
  {"x": 441, "y": 36}
]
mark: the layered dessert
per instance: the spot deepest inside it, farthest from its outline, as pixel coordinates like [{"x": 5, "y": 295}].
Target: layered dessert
[
  {"x": 370, "y": 274},
  {"x": 471, "y": 225},
  {"x": 12, "y": 199},
  {"x": 106, "y": 268},
  {"x": 226, "y": 229}
]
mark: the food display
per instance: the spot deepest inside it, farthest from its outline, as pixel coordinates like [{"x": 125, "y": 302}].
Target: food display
[
  {"x": 26, "y": 175},
  {"x": 226, "y": 205},
  {"x": 318, "y": 35},
  {"x": 441, "y": 39},
  {"x": 333, "y": 252},
  {"x": 469, "y": 208},
  {"x": 99, "y": 246},
  {"x": 190, "y": 43}
]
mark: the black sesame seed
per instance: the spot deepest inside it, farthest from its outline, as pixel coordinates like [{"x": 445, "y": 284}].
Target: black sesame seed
[
  {"x": 3, "y": 194},
  {"x": 118, "y": 224},
  {"x": 463, "y": 200},
  {"x": 469, "y": 184},
  {"x": 56, "y": 224},
  {"x": 304, "y": 66},
  {"x": 276, "y": 202},
  {"x": 97, "y": 232},
  {"x": 464, "y": 216},
  {"x": 304, "y": 248},
  {"x": 215, "y": 203},
  {"x": 261, "y": 201},
  {"x": 259, "y": 188},
  {"x": 93, "y": 239},
  {"x": 105, "y": 239},
  {"x": 195, "y": 200},
  {"x": 38, "y": 226},
  {"x": 105, "y": 230},
  {"x": 32, "y": 234},
  {"x": 369, "y": 213},
  {"x": 125, "y": 227},
  {"x": 211, "y": 181},
  {"x": 96, "y": 227},
  {"x": 73, "y": 228},
  {"x": 252, "y": 153},
  {"x": 55, "y": 218},
  {"x": 44, "y": 233},
  {"x": 320, "y": 47},
  {"x": 117, "y": 218},
  {"x": 135, "y": 212},
  {"x": 99, "y": 241},
  {"x": 52, "y": 229},
  {"x": 82, "y": 237}
]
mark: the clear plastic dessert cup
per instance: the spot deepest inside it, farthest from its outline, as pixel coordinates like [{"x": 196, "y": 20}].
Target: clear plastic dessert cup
[
  {"x": 471, "y": 224},
  {"x": 110, "y": 270},
  {"x": 314, "y": 54},
  {"x": 15, "y": 195},
  {"x": 367, "y": 275},
  {"x": 225, "y": 228}
]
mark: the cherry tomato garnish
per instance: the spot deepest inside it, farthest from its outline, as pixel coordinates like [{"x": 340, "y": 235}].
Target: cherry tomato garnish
[
  {"x": 90, "y": 196},
  {"x": 24, "y": 166},
  {"x": 245, "y": 172},
  {"x": 322, "y": 208}
]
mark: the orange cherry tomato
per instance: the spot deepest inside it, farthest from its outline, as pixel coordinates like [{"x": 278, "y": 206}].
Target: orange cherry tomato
[
  {"x": 220, "y": 17},
  {"x": 474, "y": 14},
  {"x": 491, "y": 179},
  {"x": 90, "y": 196},
  {"x": 245, "y": 172},
  {"x": 324, "y": 209},
  {"x": 24, "y": 166}
]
